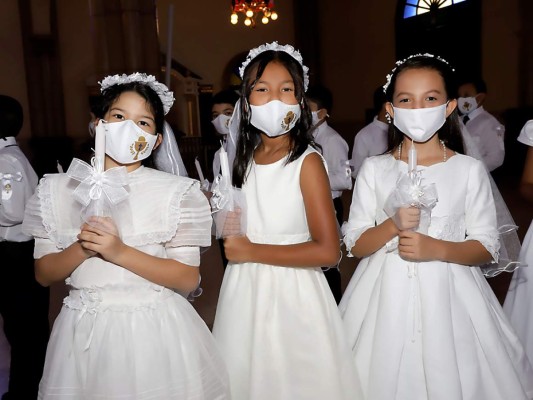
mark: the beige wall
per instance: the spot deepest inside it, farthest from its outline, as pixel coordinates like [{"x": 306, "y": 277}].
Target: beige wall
[
  {"x": 357, "y": 45},
  {"x": 204, "y": 39}
]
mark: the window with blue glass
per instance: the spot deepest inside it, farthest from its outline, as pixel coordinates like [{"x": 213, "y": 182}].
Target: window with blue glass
[{"x": 417, "y": 7}]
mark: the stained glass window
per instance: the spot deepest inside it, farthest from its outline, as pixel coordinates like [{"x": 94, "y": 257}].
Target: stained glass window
[{"x": 417, "y": 7}]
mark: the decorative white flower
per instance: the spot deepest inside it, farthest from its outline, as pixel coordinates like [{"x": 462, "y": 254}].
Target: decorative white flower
[
  {"x": 287, "y": 48},
  {"x": 400, "y": 62},
  {"x": 166, "y": 96}
]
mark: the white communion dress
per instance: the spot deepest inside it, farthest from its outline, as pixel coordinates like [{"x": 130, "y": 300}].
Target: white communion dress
[
  {"x": 278, "y": 328},
  {"x": 118, "y": 335},
  {"x": 430, "y": 330},
  {"x": 519, "y": 300}
]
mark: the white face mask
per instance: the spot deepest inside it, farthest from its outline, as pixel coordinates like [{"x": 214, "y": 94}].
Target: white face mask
[
  {"x": 315, "y": 119},
  {"x": 466, "y": 104},
  {"x": 275, "y": 118},
  {"x": 126, "y": 142},
  {"x": 221, "y": 124},
  {"x": 420, "y": 124}
]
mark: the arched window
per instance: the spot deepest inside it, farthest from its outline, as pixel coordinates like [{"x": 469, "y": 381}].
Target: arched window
[
  {"x": 448, "y": 28},
  {"x": 417, "y": 7}
]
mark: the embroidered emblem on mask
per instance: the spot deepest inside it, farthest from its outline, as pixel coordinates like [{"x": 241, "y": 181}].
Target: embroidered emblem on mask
[
  {"x": 6, "y": 191},
  {"x": 140, "y": 146},
  {"x": 288, "y": 119},
  {"x": 467, "y": 106}
]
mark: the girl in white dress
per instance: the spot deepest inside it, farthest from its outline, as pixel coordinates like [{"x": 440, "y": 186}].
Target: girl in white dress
[
  {"x": 124, "y": 331},
  {"x": 277, "y": 323},
  {"x": 519, "y": 300},
  {"x": 421, "y": 319}
]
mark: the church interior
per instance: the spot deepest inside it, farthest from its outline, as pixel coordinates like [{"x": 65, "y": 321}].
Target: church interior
[{"x": 56, "y": 51}]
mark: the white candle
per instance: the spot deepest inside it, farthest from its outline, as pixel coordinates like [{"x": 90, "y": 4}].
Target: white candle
[
  {"x": 59, "y": 167},
  {"x": 199, "y": 170},
  {"x": 99, "y": 146},
  {"x": 224, "y": 164},
  {"x": 411, "y": 158}
]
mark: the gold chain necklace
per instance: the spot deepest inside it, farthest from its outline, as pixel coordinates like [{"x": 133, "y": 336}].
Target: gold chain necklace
[{"x": 444, "y": 158}]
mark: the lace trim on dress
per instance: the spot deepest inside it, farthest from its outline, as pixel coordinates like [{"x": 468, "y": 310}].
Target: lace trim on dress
[{"x": 48, "y": 215}]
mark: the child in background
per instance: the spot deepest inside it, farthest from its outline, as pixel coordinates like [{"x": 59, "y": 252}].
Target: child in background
[
  {"x": 221, "y": 112},
  {"x": 372, "y": 139},
  {"x": 277, "y": 323},
  {"x": 486, "y": 130},
  {"x": 335, "y": 152},
  {"x": 23, "y": 302},
  {"x": 421, "y": 318},
  {"x": 124, "y": 330}
]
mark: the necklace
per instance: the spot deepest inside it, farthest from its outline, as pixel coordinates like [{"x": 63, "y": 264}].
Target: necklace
[{"x": 444, "y": 157}]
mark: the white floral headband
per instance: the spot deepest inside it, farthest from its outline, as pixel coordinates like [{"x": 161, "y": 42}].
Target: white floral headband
[
  {"x": 166, "y": 96},
  {"x": 400, "y": 62},
  {"x": 276, "y": 47}
]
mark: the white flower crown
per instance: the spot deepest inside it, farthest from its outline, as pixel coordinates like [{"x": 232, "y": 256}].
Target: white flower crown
[
  {"x": 400, "y": 62},
  {"x": 166, "y": 96},
  {"x": 276, "y": 47}
]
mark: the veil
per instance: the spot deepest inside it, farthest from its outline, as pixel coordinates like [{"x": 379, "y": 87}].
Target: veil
[
  {"x": 507, "y": 228},
  {"x": 168, "y": 158}
]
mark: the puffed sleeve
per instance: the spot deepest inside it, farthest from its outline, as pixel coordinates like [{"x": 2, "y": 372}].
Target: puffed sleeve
[
  {"x": 480, "y": 211},
  {"x": 526, "y": 134},
  {"x": 363, "y": 208},
  {"x": 194, "y": 227}
]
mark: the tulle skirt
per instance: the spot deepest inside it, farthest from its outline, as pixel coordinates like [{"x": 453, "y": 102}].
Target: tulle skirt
[
  {"x": 134, "y": 343},
  {"x": 519, "y": 301}
]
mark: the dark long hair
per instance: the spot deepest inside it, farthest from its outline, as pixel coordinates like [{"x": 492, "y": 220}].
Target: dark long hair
[
  {"x": 112, "y": 93},
  {"x": 249, "y": 136},
  {"x": 450, "y": 132}
]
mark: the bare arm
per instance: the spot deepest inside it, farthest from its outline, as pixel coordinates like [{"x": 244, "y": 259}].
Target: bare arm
[
  {"x": 526, "y": 184},
  {"x": 324, "y": 247},
  {"x": 55, "y": 267},
  {"x": 415, "y": 246}
]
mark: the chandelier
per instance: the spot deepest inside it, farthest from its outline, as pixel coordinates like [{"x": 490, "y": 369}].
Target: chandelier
[{"x": 252, "y": 10}]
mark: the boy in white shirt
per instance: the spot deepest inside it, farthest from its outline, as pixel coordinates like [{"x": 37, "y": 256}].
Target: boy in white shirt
[
  {"x": 372, "y": 139},
  {"x": 486, "y": 131},
  {"x": 23, "y": 302}
]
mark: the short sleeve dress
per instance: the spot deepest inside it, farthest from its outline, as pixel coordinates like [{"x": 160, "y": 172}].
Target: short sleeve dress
[
  {"x": 278, "y": 328},
  {"x": 118, "y": 335},
  {"x": 430, "y": 330}
]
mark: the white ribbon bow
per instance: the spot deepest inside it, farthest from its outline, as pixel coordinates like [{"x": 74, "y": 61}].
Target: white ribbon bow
[
  {"x": 11, "y": 177},
  {"x": 94, "y": 182}
]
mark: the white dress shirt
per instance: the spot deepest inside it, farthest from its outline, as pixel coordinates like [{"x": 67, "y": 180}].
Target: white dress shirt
[
  {"x": 369, "y": 141},
  {"x": 488, "y": 135},
  {"x": 18, "y": 181},
  {"x": 335, "y": 152}
]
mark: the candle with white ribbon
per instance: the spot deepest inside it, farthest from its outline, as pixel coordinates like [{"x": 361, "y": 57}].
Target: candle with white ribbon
[
  {"x": 199, "y": 170},
  {"x": 99, "y": 146}
]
